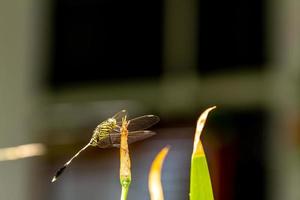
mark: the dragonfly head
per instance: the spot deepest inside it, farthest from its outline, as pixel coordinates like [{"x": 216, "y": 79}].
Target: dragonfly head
[{"x": 112, "y": 122}]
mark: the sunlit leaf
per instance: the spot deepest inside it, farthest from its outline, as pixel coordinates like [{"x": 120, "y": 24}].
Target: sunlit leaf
[
  {"x": 200, "y": 183},
  {"x": 154, "y": 182}
]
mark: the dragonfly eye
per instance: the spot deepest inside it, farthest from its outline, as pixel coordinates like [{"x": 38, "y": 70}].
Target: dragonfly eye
[{"x": 112, "y": 120}]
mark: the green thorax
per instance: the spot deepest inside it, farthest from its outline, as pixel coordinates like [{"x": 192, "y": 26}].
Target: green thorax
[{"x": 102, "y": 132}]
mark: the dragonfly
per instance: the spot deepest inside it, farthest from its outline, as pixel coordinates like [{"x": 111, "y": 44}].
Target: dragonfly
[{"x": 107, "y": 134}]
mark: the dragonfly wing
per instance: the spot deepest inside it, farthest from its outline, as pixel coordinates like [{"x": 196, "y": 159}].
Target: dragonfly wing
[
  {"x": 142, "y": 122},
  {"x": 118, "y": 116},
  {"x": 133, "y": 136}
]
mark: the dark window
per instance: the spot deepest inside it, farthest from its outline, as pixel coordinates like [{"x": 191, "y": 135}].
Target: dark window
[
  {"x": 242, "y": 159},
  {"x": 105, "y": 40},
  {"x": 231, "y": 35}
]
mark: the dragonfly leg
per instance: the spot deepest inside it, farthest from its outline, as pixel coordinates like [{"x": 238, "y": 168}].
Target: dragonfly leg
[{"x": 110, "y": 140}]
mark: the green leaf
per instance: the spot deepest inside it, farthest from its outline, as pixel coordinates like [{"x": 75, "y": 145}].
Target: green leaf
[{"x": 200, "y": 183}]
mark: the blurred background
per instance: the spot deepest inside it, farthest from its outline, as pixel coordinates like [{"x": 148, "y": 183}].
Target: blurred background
[{"x": 66, "y": 65}]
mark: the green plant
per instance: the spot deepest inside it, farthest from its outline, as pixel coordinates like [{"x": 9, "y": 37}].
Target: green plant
[{"x": 200, "y": 183}]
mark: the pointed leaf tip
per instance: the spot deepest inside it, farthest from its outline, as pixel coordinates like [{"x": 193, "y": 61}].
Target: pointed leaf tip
[
  {"x": 200, "y": 125},
  {"x": 154, "y": 182}
]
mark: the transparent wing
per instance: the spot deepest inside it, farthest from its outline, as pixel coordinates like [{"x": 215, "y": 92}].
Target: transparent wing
[
  {"x": 132, "y": 137},
  {"x": 142, "y": 122},
  {"x": 118, "y": 117}
]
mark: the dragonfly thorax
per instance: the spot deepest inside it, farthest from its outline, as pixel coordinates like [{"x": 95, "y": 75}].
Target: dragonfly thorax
[{"x": 101, "y": 133}]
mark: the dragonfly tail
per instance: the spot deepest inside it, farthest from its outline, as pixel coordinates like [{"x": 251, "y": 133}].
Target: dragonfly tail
[
  {"x": 62, "y": 169},
  {"x": 58, "y": 173}
]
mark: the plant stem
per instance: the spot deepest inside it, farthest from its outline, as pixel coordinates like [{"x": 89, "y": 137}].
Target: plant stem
[{"x": 125, "y": 187}]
